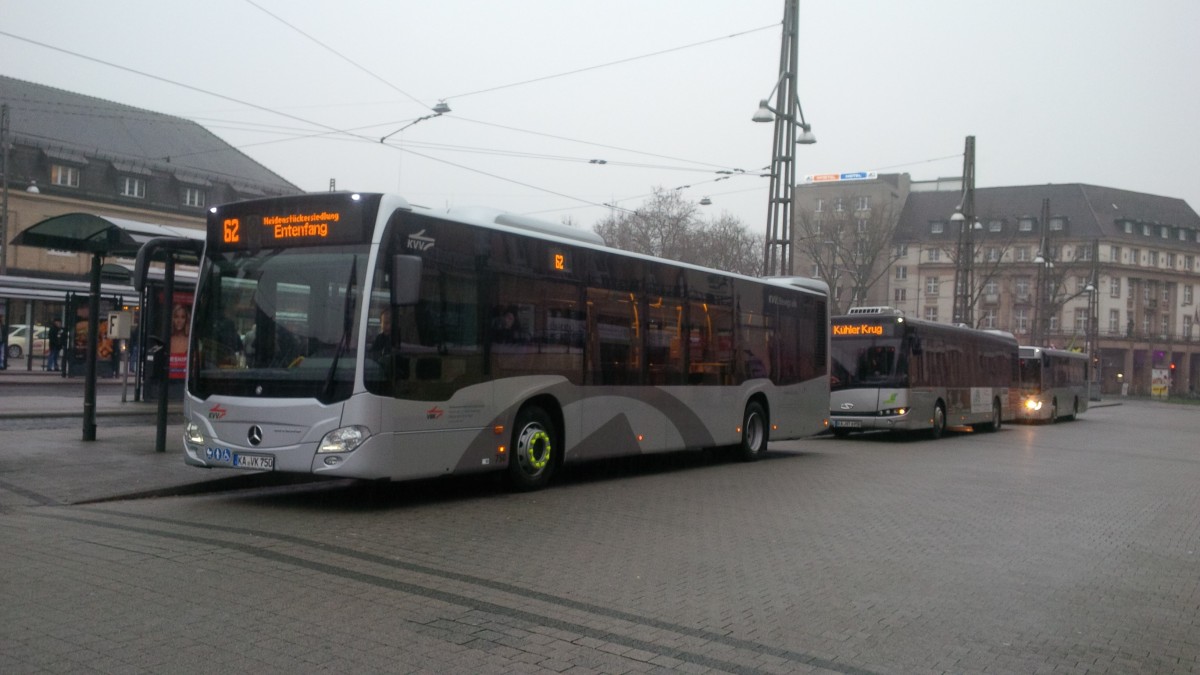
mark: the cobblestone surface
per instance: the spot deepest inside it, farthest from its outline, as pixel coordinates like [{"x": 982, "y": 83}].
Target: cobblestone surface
[{"x": 1040, "y": 549}]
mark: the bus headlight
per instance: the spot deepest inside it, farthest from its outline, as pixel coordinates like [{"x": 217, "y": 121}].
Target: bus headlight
[
  {"x": 893, "y": 412},
  {"x": 192, "y": 434},
  {"x": 345, "y": 439},
  {"x": 1033, "y": 404}
]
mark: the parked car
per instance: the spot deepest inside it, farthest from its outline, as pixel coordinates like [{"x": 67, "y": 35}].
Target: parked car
[{"x": 18, "y": 341}]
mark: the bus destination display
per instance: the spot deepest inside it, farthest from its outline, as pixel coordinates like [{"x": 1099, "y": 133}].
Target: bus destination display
[
  {"x": 862, "y": 330},
  {"x": 248, "y": 229}
]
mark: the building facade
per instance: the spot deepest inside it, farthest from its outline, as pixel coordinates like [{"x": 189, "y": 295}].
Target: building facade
[
  {"x": 1109, "y": 272},
  {"x": 69, "y": 153}
]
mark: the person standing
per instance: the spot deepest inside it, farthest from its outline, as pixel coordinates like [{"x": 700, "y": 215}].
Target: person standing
[{"x": 55, "y": 339}]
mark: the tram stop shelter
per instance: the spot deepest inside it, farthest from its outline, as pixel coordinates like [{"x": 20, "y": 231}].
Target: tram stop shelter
[{"x": 105, "y": 236}]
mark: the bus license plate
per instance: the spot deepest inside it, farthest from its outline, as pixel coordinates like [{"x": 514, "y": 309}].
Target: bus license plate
[
  {"x": 266, "y": 462},
  {"x": 847, "y": 424}
]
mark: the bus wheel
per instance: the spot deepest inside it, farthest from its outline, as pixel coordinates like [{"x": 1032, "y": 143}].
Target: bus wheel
[
  {"x": 939, "y": 421},
  {"x": 754, "y": 432},
  {"x": 533, "y": 457},
  {"x": 994, "y": 425}
]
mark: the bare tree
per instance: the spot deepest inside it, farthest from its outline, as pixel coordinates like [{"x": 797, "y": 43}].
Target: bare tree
[
  {"x": 851, "y": 250},
  {"x": 668, "y": 226}
]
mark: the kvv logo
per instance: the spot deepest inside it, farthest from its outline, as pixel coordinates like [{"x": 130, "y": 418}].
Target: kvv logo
[{"x": 419, "y": 242}]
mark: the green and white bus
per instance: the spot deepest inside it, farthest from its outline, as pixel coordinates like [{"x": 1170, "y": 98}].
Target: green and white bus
[
  {"x": 898, "y": 373},
  {"x": 356, "y": 335}
]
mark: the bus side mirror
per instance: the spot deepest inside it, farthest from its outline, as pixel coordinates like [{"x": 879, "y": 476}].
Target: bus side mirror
[{"x": 406, "y": 279}]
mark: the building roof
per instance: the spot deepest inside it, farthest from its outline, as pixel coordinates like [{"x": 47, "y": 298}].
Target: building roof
[
  {"x": 1090, "y": 211},
  {"x": 72, "y": 128}
]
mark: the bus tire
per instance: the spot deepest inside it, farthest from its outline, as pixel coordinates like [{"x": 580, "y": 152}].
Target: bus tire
[
  {"x": 996, "y": 422},
  {"x": 755, "y": 432},
  {"x": 939, "y": 421},
  {"x": 535, "y": 453}
]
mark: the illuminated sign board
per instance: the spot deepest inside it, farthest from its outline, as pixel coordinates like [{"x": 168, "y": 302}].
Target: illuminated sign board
[
  {"x": 838, "y": 177},
  {"x": 287, "y": 222},
  {"x": 860, "y": 330}
]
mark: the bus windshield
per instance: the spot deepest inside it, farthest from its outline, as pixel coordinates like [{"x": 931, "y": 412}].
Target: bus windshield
[
  {"x": 1030, "y": 374},
  {"x": 279, "y": 323},
  {"x": 868, "y": 362}
]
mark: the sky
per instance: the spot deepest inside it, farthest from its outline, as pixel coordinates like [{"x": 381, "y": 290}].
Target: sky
[{"x": 569, "y": 109}]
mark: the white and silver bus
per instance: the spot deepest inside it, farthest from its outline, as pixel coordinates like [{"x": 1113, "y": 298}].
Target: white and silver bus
[
  {"x": 355, "y": 335},
  {"x": 897, "y": 373},
  {"x": 1054, "y": 383}
]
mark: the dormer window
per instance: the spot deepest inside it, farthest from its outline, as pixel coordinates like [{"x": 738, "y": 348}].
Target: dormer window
[
  {"x": 132, "y": 187},
  {"x": 64, "y": 176}
]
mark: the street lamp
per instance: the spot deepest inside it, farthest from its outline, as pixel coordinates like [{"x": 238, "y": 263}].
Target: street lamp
[
  {"x": 964, "y": 263},
  {"x": 788, "y": 117}
]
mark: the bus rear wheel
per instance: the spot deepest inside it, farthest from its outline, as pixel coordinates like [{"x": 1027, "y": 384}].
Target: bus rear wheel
[
  {"x": 754, "y": 432},
  {"x": 939, "y": 421},
  {"x": 995, "y": 422},
  {"x": 534, "y": 457}
]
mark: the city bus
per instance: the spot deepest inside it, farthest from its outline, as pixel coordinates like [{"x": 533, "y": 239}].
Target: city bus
[
  {"x": 356, "y": 335},
  {"x": 1054, "y": 383},
  {"x": 898, "y": 373}
]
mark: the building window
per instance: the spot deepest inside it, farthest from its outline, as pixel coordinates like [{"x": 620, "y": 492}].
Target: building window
[
  {"x": 901, "y": 250},
  {"x": 1147, "y": 321},
  {"x": 935, "y": 254},
  {"x": 1171, "y": 261},
  {"x": 1165, "y": 325},
  {"x": 989, "y": 318},
  {"x": 1128, "y": 227},
  {"x": 1166, "y": 294},
  {"x": 931, "y": 285},
  {"x": 1165, "y": 232},
  {"x": 1115, "y": 254},
  {"x": 1081, "y": 320},
  {"x": 1057, "y": 223},
  {"x": 1025, "y": 225},
  {"x": 1083, "y": 252},
  {"x": 931, "y": 313},
  {"x": 995, "y": 225},
  {"x": 1054, "y": 323},
  {"x": 1187, "y": 294},
  {"x": 1114, "y": 287},
  {"x": 66, "y": 176},
  {"x": 1021, "y": 320},
  {"x": 1154, "y": 258},
  {"x": 1135, "y": 256},
  {"x": 993, "y": 254},
  {"x": 193, "y": 197},
  {"x": 1114, "y": 322},
  {"x": 900, "y": 295},
  {"x": 1188, "y": 326},
  {"x": 1189, "y": 262},
  {"x": 992, "y": 287},
  {"x": 901, "y": 272},
  {"x": 1182, "y": 234},
  {"x": 820, "y": 205},
  {"x": 839, "y": 205},
  {"x": 862, "y": 225},
  {"x": 133, "y": 187},
  {"x": 1145, "y": 230},
  {"x": 862, "y": 203},
  {"x": 1081, "y": 284},
  {"x": 937, "y": 227},
  {"x": 1022, "y": 254},
  {"x": 1021, "y": 285}
]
